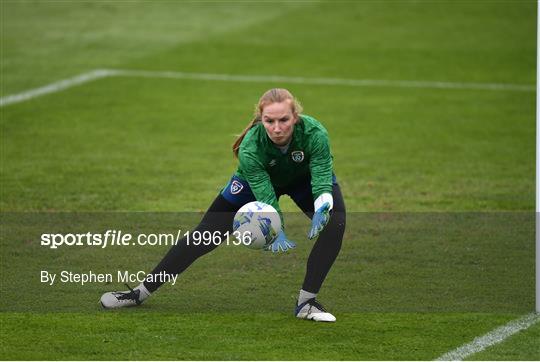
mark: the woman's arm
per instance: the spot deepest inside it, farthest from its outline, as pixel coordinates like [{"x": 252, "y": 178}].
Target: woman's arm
[
  {"x": 321, "y": 168},
  {"x": 258, "y": 179}
]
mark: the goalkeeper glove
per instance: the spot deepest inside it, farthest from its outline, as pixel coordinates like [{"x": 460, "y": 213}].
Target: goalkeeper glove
[
  {"x": 319, "y": 221},
  {"x": 280, "y": 244}
]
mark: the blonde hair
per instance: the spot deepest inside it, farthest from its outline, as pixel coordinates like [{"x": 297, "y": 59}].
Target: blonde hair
[{"x": 274, "y": 95}]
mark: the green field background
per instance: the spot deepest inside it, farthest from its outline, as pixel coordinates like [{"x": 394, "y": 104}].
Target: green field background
[{"x": 410, "y": 162}]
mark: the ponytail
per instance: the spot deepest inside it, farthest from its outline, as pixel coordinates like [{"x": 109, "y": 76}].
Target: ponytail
[{"x": 236, "y": 144}]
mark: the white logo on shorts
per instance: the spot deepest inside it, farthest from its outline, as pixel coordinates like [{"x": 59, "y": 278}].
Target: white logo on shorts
[{"x": 236, "y": 187}]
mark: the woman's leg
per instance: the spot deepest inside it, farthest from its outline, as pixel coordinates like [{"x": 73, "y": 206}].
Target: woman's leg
[
  {"x": 327, "y": 247},
  {"x": 219, "y": 217}
]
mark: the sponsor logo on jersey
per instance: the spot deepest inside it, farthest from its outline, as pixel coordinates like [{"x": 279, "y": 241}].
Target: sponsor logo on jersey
[
  {"x": 272, "y": 163},
  {"x": 297, "y": 156},
  {"x": 236, "y": 187}
]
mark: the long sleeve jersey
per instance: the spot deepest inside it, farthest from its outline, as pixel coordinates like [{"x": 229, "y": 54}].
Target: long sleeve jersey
[{"x": 265, "y": 167}]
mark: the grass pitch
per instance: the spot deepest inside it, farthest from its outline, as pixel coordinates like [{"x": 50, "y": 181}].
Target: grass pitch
[{"x": 439, "y": 183}]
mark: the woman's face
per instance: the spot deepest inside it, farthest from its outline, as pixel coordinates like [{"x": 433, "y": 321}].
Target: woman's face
[{"x": 278, "y": 120}]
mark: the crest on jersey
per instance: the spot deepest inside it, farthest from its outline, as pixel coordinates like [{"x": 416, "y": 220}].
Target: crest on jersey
[
  {"x": 236, "y": 187},
  {"x": 297, "y": 156},
  {"x": 272, "y": 163}
]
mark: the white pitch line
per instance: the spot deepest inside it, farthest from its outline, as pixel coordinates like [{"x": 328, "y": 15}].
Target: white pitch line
[
  {"x": 495, "y": 336},
  {"x": 55, "y": 87},
  {"x": 102, "y": 73},
  {"x": 326, "y": 81}
]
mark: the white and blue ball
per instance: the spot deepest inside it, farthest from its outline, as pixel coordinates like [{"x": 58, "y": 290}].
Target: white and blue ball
[{"x": 256, "y": 225}]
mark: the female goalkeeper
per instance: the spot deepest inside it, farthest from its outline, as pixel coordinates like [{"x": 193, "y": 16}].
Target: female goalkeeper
[{"x": 281, "y": 151}]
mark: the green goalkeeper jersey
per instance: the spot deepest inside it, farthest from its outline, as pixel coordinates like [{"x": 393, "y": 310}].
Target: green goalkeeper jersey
[{"x": 265, "y": 167}]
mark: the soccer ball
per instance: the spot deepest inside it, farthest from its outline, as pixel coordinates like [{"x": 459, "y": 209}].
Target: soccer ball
[{"x": 256, "y": 225}]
